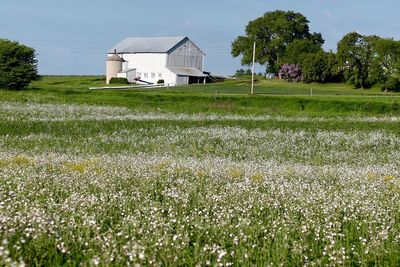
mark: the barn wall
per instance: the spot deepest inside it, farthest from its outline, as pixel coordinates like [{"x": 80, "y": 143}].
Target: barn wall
[
  {"x": 170, "y": 78},
  {"x": 130, "y": 75},
  {"x": 145, "y": 61},
  {"x": 186, "y": 55},
  {"x": 149, "y": 67},
  {"x": 182, "y": 80},
  {"x": 147, "y": 64}
]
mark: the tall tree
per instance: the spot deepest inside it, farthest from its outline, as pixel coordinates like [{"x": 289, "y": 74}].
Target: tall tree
[
  {"x": 386, "y": 64},
  {"x": 355, "y": 53},
  {"x": 315, "y": 67},
  {"x": 387, "y": 57},
  {"x": 320, "y": 67},
  {"x": 273, "y": 32},
  {"x": 18, "y": 65}
]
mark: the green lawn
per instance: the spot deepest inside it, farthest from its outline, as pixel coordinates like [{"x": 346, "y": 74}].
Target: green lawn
[
  {"x": 272, "y": 97},
  {"x": 240, "y": 86},
  {"x": 280, "y": 87}
]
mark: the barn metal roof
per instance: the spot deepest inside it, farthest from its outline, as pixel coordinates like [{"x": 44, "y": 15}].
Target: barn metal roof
[
  {"x": 147, "y": 45},
  {"x": 188, "y": 72}
]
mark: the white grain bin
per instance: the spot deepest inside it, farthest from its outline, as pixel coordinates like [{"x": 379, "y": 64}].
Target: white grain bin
[{"x": 113, "y": 66}]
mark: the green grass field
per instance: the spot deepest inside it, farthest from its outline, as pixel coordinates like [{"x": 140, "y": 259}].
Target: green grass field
[
  {"x": 272, "y": 97},
  {"x": 240, "y": 86},
  {"x": 203, "y": 175}
]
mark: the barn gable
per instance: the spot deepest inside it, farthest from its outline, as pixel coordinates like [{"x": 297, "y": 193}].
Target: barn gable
[{"x": 185, "y": 55}]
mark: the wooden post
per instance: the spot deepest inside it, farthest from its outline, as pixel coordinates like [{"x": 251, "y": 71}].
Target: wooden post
[{"x": 252, "y": 72}]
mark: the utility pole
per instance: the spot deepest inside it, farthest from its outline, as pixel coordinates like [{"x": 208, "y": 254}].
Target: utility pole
[{"x": 252, "y": 72}]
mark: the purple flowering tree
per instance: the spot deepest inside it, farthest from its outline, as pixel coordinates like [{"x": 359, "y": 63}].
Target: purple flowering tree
[{"x": 290, "y": 72}]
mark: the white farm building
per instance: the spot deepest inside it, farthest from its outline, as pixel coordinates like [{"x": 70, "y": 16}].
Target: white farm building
[{"x": 172, "y": 60}]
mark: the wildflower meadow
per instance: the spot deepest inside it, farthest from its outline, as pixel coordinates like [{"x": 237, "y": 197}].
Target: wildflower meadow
[{"x": 94, "y": 185}]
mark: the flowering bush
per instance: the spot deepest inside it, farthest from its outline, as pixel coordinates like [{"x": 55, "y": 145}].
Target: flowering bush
[{"x": 290, "y": 72}]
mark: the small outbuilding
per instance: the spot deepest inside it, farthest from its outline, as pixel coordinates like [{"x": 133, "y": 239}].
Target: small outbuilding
[{"x": 170, "y": 60}]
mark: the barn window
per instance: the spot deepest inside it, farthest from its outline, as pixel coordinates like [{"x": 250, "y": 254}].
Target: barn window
[
  {"x": 153, "y": 75},
  {"x": 146, "y": 75},
  {"x": 160, "y": 75}
]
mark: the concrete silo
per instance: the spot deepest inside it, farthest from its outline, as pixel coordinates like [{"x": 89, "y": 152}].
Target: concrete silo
[{"x": 113, "y": 66}]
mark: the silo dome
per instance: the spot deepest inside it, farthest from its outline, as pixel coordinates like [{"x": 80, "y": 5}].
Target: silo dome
[{"x": 115, "y": 57}]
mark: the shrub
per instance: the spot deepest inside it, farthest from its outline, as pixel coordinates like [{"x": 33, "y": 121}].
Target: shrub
[
  {"x": 392, "y": 84},
  {"x": 239, "y": 73},
  {"x": 242, "y": 72},
  {"x": 118, "y": 80},
  {"x": 290, "y": 72},
  {"x": 18, "y": 65},
  {"x": 161, "y": 81}
]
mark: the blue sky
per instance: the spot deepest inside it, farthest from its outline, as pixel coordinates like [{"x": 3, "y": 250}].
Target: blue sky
[{"x": 72, "y": 37}]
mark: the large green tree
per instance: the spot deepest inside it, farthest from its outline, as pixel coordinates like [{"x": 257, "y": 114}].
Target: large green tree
[
  {"x": 356, "y": 55},
  {"x": 18, "y": 65},
  {"x": 272, "y": 32},
  {"x": 320, "y": 67},
  {"x": 386, "y": 63},
  {"x": 388, "y": 55},
  {"x": 314, "y": 67}
]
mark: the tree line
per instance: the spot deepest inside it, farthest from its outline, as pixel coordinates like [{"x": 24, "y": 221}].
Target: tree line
[{"x": 288, "y": 49}]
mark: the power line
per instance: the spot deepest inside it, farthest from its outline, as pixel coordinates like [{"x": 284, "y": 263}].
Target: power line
[
  {"x": 55, "y": 51},
  {"x": 62, "y": 41}
]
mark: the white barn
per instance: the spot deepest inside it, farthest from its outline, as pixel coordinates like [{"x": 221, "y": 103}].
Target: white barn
[{"x": 174, "y": 60}]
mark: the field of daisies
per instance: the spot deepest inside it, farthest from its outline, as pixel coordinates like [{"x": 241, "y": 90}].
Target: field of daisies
[{"x": 110, "y": 186}]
